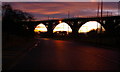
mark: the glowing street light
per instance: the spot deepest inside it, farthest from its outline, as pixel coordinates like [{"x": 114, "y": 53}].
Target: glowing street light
[{"x": 60, "y": 21}]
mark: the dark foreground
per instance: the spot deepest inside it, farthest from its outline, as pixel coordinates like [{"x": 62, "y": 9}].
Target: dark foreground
[{"x": 48, "y": 54}]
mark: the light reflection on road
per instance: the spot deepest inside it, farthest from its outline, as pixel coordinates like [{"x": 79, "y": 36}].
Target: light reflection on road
[
  {"x": 74, "y": 56},
  {"x": 64, "y": 55}
]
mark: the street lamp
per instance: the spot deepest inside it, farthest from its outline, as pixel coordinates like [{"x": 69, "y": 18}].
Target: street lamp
[
  {"x": 118, "y": 8},
  {"x": 60, "y": 21}
]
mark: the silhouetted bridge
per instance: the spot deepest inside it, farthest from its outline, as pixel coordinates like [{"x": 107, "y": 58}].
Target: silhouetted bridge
[{"x": 109, "y": 23}]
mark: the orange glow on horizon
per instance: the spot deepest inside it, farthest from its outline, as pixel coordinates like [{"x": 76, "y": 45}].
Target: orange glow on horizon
[
  {"x": 40, "y": 28},
  {"x": 62, "y": 27}
]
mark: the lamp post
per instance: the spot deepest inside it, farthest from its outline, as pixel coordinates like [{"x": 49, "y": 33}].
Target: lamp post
[
  {"x": 118, "y": 8},
  {"x": 101, "y": 15},
  {"x": 98, "y": 9},
  {"x": 98, "y": 14},
  {"x": 48, "y": 17}
]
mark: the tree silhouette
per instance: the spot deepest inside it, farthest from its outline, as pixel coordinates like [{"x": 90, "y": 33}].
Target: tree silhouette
[
  {"x": 92, "y": 33},
  {"x": 11, "y": 19}
]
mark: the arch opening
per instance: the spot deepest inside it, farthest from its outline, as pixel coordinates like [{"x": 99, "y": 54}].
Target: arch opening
[
  {"x": 41, "y": 28},
  {"x": 91, "y": 26},
  {"x": 62, "y": 29}
]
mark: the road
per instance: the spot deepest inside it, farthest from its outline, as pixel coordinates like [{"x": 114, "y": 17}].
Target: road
[{"x": 48, "y": 54}]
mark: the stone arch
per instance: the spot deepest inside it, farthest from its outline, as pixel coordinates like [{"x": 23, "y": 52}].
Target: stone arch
[
  {"x": 84, "y": 22},
  {"x": 40, "y": 27},
  {"x": 64, "y": 25}
]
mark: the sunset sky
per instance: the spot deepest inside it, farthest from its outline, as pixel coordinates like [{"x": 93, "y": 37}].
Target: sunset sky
[{"x": 43, "y": 10}]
